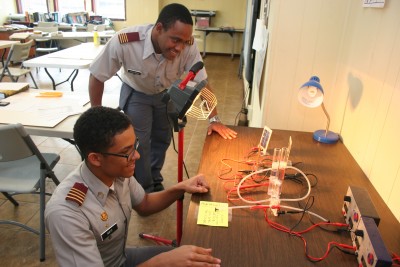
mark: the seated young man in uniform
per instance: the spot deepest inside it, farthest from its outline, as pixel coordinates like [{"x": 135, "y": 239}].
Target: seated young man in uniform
[{"x": 89, "y": 212}]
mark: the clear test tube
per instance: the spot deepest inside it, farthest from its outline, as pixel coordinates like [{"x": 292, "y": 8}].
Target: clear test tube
[
  {"x": 274, "y": 182},
  {"x": 275, "y": 161},
  {"x": 284, "y": 157},
  {"x": 273, "y": 188}
]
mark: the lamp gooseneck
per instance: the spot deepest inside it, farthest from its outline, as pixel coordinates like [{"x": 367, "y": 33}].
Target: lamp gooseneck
[{"x": 327, "y": 117}]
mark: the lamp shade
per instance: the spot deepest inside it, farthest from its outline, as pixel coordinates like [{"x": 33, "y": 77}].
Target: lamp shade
[{"x": 311, "y": 93}]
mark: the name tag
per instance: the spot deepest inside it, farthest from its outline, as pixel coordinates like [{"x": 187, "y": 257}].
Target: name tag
[
  {"x": 109, "y": 231},
  {"x": 134, "y": 72}
]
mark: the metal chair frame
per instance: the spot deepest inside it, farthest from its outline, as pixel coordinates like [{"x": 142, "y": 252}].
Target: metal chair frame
[{"x": 23, "y": 170}]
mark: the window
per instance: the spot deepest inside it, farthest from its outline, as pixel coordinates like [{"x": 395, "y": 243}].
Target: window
[
  {"x": 112, "y": 9},
  {"x": 71, "y": 6},
  {"x": 32, "y": 6}
]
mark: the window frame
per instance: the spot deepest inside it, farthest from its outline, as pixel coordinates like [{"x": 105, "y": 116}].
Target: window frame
[
  {"x": 57, "y": 6},
  {"x": 112, "y": 19},
  {"x": 20, "y": 8}
]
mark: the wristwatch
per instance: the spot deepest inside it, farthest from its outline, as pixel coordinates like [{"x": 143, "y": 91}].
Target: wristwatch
[{"x": 214, "y": 119}]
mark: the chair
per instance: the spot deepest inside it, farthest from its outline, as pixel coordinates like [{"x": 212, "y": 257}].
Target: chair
[
  {"x": 45, "y": 45},
  {"x": 13, "y": 67},
  {"x": 23, "y": 170}
]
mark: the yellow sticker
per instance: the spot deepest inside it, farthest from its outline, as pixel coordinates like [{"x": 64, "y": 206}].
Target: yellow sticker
[{"x": 213, "y": 214}]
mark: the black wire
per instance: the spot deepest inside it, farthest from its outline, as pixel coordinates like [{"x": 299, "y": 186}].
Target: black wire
[
  {"x": 263, "y": 178},
  {"x": 350, "y": 252},
  {"x": 303, "y": 212},
  {"x": 294, "y": 178},
  {"x": 330, "y": 249},
  {"x": 336, "y": 230},
  {"x": 298, "y": 178},
  {"x": 294, "y": 164},
  {"x": 242, "y": 108},
  {"x": 315, "y": 178}
]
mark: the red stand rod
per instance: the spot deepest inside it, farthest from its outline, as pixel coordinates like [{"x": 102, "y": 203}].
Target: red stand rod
[{"x": 179, "y": 203}]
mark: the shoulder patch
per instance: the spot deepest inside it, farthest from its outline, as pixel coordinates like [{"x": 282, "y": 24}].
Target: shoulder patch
[
  {"x": 127, "y": 37},
  {"x": 77, "y": 193}
]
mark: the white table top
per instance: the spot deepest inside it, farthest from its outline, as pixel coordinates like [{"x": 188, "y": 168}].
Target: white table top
[
  {"x": 64, "y": 35},
  {"x": 219, "y": 29},
  {"x": 73, "y": 35},
  {"x": 7, "y": 44},
  {"x": 76, "y": 57},
  {"x": 36, "y": 118}
]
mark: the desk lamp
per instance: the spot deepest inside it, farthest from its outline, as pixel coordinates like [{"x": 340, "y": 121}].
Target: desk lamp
[
  {"x": 311, "y": 95},
  {"x": 185, "y": 98}
]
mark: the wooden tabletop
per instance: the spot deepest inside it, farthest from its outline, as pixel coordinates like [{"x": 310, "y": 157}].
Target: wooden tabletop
[{"x": 249, "y": 240}]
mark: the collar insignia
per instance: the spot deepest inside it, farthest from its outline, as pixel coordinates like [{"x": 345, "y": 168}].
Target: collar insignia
[{"x": 104, "y": 216}]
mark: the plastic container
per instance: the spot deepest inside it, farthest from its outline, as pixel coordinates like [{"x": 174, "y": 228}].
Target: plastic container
[{"x": 96, "y": 38}]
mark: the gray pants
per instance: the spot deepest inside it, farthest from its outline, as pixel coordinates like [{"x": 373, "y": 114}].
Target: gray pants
[
  {"x": 150, "y": 120},
  {"x": 135, "y": 256}
]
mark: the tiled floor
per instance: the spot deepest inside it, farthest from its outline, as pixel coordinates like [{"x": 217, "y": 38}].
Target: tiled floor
[{"x": 21, "y": 248}]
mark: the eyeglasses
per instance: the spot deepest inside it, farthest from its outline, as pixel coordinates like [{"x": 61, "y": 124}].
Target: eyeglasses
[{"x": 129, "y": 156}]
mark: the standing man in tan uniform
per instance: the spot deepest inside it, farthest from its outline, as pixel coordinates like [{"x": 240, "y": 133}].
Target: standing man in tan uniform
[{"x": 151, "y": 57}]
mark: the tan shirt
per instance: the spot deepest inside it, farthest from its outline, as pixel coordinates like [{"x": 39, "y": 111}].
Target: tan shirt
[
  {"x": 76, "y": 230},
  {"x": 150, "y": 73}
]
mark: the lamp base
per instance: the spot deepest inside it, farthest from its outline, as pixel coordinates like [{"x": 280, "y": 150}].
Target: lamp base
[{"x": 329, "y": 138}]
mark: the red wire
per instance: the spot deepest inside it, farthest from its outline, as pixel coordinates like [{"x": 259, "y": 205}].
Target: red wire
[
  {"x": 323, "y": 223},
  {"x": 395, "y": 257},
  {"x": 247, "y": 186},
  {"x": 282, "y": 228},
  {"x": 228, "y": 169}
]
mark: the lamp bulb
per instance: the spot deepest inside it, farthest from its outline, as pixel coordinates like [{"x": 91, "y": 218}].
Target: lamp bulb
[{"x": 312, "y": 91}]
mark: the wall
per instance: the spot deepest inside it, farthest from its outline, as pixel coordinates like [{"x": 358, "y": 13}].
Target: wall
[
  {"x": 229, "y": 13},
  {"x": 7, "y": 7},
  {"x": 139, "y": 12},
  {"x": 356, "y": 53}
]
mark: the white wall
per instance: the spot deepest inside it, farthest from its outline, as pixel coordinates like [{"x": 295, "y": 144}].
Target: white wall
[
  {"x": 7, "y": 7},
  {"x": 356, "y": 53},
  {"x": 228, "y": 13}
]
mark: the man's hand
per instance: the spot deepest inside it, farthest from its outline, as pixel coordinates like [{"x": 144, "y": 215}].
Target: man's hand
[
  {"x": 223, "y": 131},
  {"x": 196, "y": 184},
  {"x": 184, "y": 256}
]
